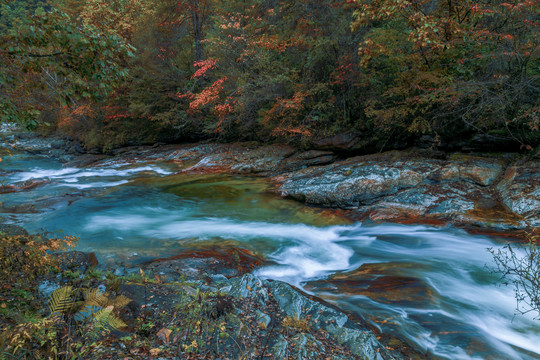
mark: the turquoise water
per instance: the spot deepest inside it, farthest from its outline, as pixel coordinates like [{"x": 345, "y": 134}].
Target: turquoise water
[{"x": 132, "y": 212}]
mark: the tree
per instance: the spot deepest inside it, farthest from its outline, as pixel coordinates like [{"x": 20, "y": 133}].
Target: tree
[
  {"x": 289, "y": 69},
  {"x": 47, "y": 61},
  {"x": 440, "y": 65},
  {"x": 520, "y": 266}
]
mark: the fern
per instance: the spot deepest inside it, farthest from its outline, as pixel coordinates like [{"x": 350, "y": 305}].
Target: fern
[
  {"x": 61, "y": 300},
  {"x": 120, "y": 302},
  {"x": 107, "y": 319},
  {"x": 94, "y": 297}
]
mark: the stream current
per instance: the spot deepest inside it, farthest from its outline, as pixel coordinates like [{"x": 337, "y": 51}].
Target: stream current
[{"x": 430, "y": 286}]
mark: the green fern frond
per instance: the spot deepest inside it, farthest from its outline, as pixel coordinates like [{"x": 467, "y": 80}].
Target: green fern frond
[
  {"x": 107, "y": 319},
  {"x": 61, "y": 300}
]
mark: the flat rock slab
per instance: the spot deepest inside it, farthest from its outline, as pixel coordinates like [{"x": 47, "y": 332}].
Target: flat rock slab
[
  {"x": 209, "y": 260},
  {"x": 463, "y": 189}
]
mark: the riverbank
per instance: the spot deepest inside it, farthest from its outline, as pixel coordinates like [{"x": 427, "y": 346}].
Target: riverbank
[
  {"x": 170, "y": 310},
  {"x": 483, "y": 193}
]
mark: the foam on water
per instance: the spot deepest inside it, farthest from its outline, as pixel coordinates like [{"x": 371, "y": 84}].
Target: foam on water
[
  {"x": 71, "y": 175},
  {"x": 304, "y": 252}
]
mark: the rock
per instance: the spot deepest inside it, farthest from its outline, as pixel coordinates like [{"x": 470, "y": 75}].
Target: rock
[
  {"x": 226, "y": 260},
  {"x": 361, "y": 341},
  {"x": 76, "y": 260},
  {"x": 345, "y": 141},
  {"x": 120, "y": 271},
  {"x": 410, "y": 187},
  {"x": 101, "y": 289},
  {"x": 481, "y": 171},
  {"x": 294, "y": 304},
  {"x": 13, "y": 230},
  {"x": 279, "y": 349},
  {"x": 353, "y": 182},
  {"x": 58, "y": 144},
  {"x": 219, "y": 279},
  {"x": 46, "y": 288},
  {"x": 520, "y": 191},
  {"x": 263, "y": 320},
  {"x": 262, "y": 159},
  {"x": 22, "y": 186},
  {"x": 249, "y": 286},
  {"x": 381, "y": 282}
]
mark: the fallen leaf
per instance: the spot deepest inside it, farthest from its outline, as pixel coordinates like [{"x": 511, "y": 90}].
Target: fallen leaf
[{"x": 164, "y": 334}]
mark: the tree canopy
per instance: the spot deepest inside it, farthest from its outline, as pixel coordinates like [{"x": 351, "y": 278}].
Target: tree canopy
[{"x": 386, "y": 71}]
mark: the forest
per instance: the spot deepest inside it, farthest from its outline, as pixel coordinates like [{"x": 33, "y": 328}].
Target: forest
[{"x": 357, "y": 76}]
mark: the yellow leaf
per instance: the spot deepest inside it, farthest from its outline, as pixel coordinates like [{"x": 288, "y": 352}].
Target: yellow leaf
[{"x": 154, "y": 351}]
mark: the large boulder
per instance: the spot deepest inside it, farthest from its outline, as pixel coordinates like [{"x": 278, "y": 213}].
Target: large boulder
[
  {"x": 404, "y": 186},
  {"x": 294, "y": 304},
  {"x": 520, "y": 191}
]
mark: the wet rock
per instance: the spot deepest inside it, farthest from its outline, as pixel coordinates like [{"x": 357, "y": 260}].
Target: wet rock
[
  {"x": 84, "y": 160},
  {"x": 21, "y": 186},
  {"x": 13, "y": 230},
  {"x": 294, "y": 304},
  {"x": 481, "y": 171},
  {"x": 361, "y": 340},
  {"x": 381, "y": 282},
  {"x": 209, "y": 259},
  {"x": 76, "y": 260},
  {"x": 410, "y": 187},
  {"x": 444, "y": 200},
  {"x": 353, "y": 182},
  {"x": 520, "y": 191}
]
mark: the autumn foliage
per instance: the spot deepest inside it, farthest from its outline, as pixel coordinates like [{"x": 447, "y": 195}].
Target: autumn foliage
[{"x": 388, "y": 72}]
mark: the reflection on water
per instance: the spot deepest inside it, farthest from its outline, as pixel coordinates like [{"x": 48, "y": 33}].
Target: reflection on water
[{"x": 428, "y": 285}]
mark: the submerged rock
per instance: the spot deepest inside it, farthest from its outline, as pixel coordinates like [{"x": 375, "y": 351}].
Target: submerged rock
[
  {"x": 21, "y": 186},
  {"x": 381, "y": 282}
]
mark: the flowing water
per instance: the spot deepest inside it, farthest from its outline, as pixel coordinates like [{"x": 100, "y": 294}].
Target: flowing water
[{"x": 427, "y": 285}]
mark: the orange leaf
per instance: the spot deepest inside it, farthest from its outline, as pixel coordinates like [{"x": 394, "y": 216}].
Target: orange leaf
[{"x": 164, "y": 334}]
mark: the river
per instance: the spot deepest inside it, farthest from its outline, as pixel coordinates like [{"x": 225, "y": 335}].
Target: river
[{"x": 430, "y": 286}]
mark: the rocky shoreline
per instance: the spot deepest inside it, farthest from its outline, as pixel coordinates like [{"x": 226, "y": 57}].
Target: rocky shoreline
[
  {"x": 480, "y": 192},
  {"x": 274, "y": 320}
]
